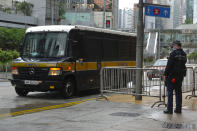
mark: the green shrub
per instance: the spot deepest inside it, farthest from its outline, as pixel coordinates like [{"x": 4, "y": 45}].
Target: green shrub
[
  {"x": 192, "y": 55},
  {"x": 6, "y": 56},
  {"x": 149, "y": 59}
]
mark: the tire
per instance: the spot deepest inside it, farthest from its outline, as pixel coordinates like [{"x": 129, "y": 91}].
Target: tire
[
  {"x": 21, "y": 91},
  {"x": 68, "y": 88},
  {"x": 150, "y": 78}
]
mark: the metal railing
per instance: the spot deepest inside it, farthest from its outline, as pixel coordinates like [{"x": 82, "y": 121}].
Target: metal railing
[
  {"x": 122, "y": 80},
  {"x": 192, "y": 77}
]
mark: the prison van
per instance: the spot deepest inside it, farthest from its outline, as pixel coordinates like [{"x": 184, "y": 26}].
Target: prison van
[{"x": 69, "y": 58}]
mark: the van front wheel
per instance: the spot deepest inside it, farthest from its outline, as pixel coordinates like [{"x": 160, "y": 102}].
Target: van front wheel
[
  {"x": 21, "y": 91},
  {"x": 68, "y": 88}
]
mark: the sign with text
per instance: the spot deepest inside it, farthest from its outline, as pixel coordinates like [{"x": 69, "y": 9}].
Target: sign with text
[{"x": 157, "y": 11}]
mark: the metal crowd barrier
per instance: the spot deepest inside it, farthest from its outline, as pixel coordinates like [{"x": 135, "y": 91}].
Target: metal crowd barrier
[
  {"x": 191, "y": 77},
  {"x": 122, "y": 80},
  {"x": 188, "y": 81}
]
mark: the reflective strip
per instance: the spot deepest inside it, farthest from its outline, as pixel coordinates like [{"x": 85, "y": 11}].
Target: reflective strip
[
  {"x": 27, "y": 64},
  {"x": 118, "y": 63}
]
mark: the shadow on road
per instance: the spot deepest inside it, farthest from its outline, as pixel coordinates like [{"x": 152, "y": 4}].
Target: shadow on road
[{"x": 57, "y": 96}]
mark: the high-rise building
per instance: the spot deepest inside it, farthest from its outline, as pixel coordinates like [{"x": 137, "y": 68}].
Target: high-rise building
[
  {"x": 126, "y": 19},
  {"x": 179, "y": 12},
  {"x": 135, "y": 16},
  {"x": 189, "y": 10},
  {"x": 195, "y": 12},
  {"x": 119, "y": 18}
]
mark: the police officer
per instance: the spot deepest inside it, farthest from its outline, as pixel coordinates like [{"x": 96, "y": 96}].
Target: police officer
[{"x": 174, "y": 74}]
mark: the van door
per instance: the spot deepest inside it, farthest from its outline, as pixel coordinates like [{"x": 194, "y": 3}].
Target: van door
[
  {"x": 88, "y": 62},
  {"x": 91, "y": 62}
]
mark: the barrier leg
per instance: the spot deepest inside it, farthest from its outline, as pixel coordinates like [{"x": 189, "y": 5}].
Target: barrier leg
[
  {"x": 191, "y": 96},
  {"x": 160, "y": 98}
]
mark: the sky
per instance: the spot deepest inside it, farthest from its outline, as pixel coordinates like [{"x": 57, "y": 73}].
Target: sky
[{"x": 127, "y": 3}]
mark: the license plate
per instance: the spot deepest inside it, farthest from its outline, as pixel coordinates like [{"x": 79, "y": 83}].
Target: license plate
[{"x": 28, "y": 82}]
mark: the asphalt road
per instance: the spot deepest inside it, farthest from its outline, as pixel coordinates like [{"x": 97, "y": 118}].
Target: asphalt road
[{"x": 11, "y": 102}]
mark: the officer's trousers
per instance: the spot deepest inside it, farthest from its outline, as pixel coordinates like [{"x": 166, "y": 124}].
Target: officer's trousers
[{"x": 178, "y": 92}]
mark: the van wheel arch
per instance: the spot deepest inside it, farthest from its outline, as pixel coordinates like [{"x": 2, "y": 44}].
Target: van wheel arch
[{"x": 69, "y": 87}]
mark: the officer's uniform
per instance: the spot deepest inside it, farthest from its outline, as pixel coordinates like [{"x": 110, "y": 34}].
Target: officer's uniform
[{"x": 175, "y": 72}]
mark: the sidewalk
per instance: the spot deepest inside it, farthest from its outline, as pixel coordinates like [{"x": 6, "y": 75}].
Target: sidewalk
[
  {"x": 4, "y": 77},
  {"x": 4, "y": 80},
  {"x": 185, "y": 121},
  {"x": 100, "y": 115},
  {"x": 190, "y": 104}
]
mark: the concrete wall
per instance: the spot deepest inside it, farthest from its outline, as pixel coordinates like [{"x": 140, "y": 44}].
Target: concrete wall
[
  {"x": 79, "y": 17},
  {"x": 11, "y": 20},
  {"x": 98, "y": 18},
  {"x": 6, "y": 3},
  {"x": 39, "y": 10}
]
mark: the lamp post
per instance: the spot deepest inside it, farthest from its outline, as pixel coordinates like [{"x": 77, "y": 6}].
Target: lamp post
[{"x": 139, "y": 51}]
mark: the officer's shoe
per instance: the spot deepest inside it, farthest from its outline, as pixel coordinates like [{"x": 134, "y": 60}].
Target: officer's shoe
[
  {"x": 167, "y": 112},
  {"x": 177, "y": 111}
]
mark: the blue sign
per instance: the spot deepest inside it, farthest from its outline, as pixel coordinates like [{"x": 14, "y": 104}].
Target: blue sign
[{"x": 158, "y": 11}]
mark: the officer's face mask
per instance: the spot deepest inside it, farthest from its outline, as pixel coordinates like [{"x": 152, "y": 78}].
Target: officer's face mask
[{"x": 173, "y": 47}]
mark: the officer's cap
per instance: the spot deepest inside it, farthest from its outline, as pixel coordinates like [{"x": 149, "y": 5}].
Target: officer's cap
[{"x": 177, "y": 43}]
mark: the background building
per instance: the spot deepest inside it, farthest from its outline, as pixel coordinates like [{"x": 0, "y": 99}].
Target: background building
[
  {"x": 126, "y": 19},
  {"x": 189, "y": 10},
  {"x": 47, "y": 11},
  {"x": 90, "y": 12},
  {"x": 180, "y": 12},
  {"x": 135, "y": 17},
  {"x": 195, "y": 12}
]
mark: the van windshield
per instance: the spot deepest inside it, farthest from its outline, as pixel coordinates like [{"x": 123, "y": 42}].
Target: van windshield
[{"x": 44, "y": 45}]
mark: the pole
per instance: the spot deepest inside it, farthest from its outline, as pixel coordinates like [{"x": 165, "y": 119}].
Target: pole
[
  {"x": 25, "y": 16},
  {"x": 159, "y": 42},
  {"x": 159, "y": 45},
  {"x": 139, "y": 51},
  {"x": 52, "y": 14},
  {"x": 104, "y": 13},
  {"x": 115, "y": 7}
]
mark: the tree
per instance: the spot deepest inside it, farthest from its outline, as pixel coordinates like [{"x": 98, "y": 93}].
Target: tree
[
  {"x": 10, "y": 38},
  {"x": 25, "y": 8},
  {"x": 61, "y": 11},
  {"x": 7, "y": 10},
  {"x": 188, "y": 21}
]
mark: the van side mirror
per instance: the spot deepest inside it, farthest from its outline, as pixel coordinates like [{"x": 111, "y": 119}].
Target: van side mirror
[{"x": 71, "y": 59}]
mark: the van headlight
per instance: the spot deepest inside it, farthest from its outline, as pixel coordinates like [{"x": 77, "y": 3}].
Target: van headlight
[
  {"x": 55, "y": 71},
  {"x": 14, "y": 71}
]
